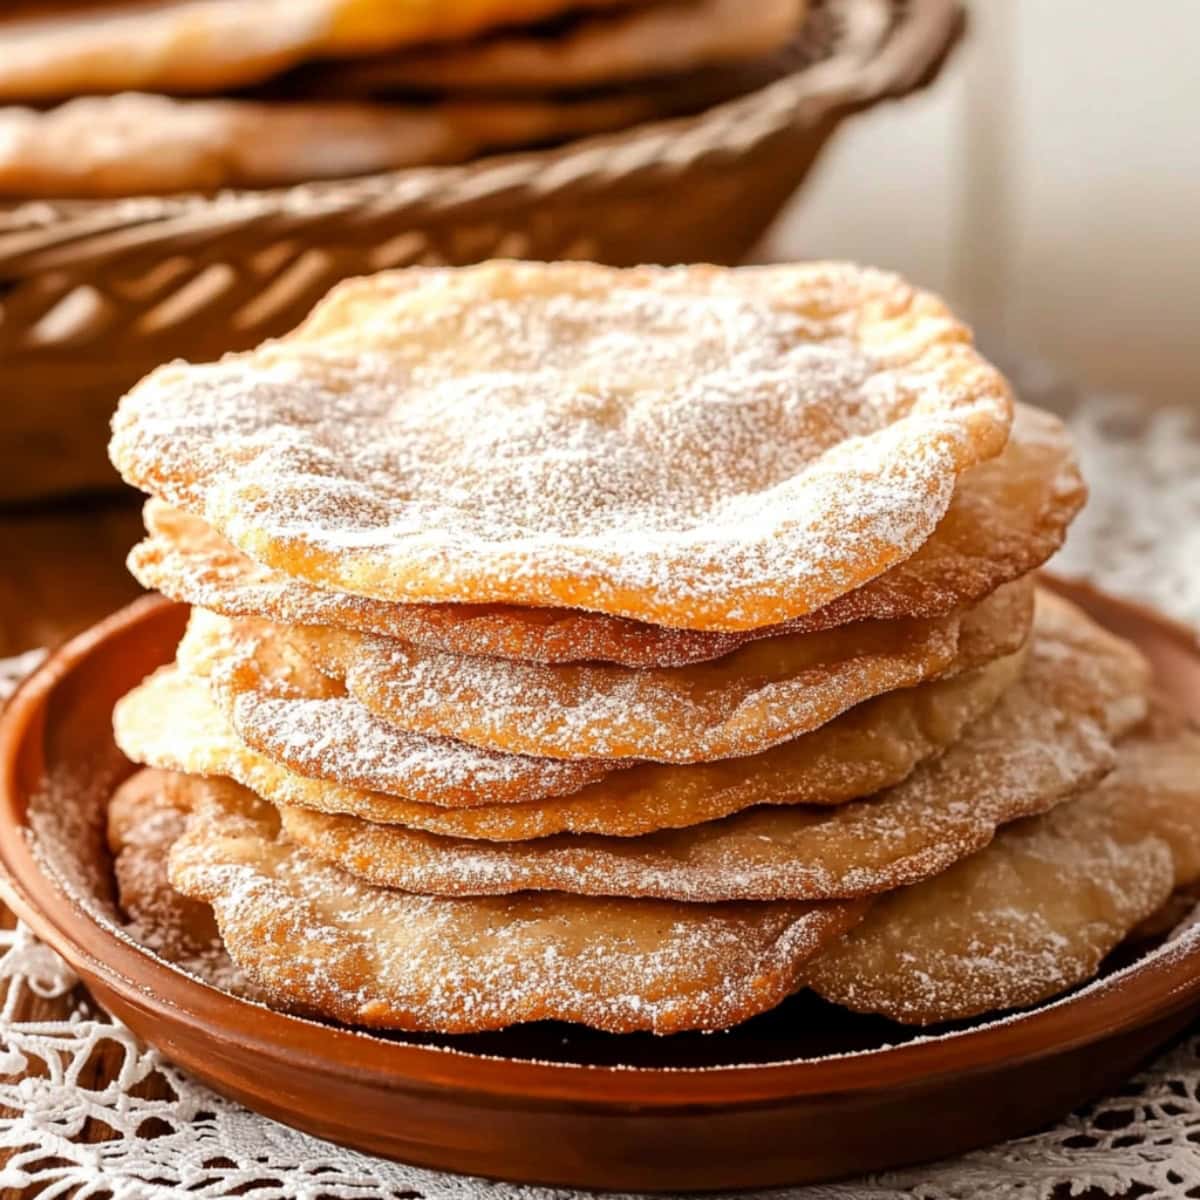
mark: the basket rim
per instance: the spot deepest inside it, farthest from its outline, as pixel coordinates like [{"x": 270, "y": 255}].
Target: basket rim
[{"x": 888, "y": 62}]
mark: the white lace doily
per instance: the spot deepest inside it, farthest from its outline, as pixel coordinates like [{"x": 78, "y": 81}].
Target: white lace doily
[{"x": 1140, "y": 537}]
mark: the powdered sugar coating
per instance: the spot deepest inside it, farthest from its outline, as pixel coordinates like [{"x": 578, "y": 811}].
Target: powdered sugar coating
[
  {"x": 318, "y": 941},
  {"x": 251, "y": 660},
  {"x": 292, "y": 720},
  {"x": 189, "y": 561},
  {"x": 697, "y": 447},
  {"x": 761, "y": 694},
  {"x": 1038, "y": 909},
  {"x": 1006, "y": 517},
  {"x": 1050, "y": 734},
  {"x": 866, "y": 749},
  {"x": 247, "y": 662},
  {"x": 147, "y": 814},
  {"x": 171, "y": 721}
]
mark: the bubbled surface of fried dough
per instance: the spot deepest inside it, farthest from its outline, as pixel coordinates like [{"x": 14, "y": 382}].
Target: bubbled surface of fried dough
[
  {"x": 1037, "y": 910},
  {"x": 318, "y": 941},
  {"x": 66, "y": 48},
  {"x": 1051, "y": 734},
  {"x": 186, "y": 559},
  {"x": 759, "y": 695},
  {"x": 696, "y": 446},
  {"x": 1007, "y": 516}
]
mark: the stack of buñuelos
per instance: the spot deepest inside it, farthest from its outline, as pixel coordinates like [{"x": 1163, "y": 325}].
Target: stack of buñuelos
[{"x": 631, "y": 648}]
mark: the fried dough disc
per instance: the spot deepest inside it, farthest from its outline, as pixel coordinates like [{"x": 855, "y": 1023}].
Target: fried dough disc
[
  {"x": 698, "y": 446},
  {"x": 755, "y": 697},
  {"x": 170, "y": 722},
  {"x": 135, "y": 142},
  {"x": 248, "y": 664},
  {"x": 295, "y": 715},
  {"x": 155, "y": 722},
  {"x": 1051, "y": 734},
  {"x": 205, "y": 45},
  {"x": 860, "y": 752},
  {"x": 302, "y": 718},
  {"x": 659, "y": 39},
  {"x": 1037, "y": 911},
  {"x": 995, "y": 627},
  {"x": 318, "y": 940},
  {"x": 291, "y": 717},
  {"x": 189, "y": 561},
  {"x": 761, "y": 694},
  {"x": 146, "y": 815},
  {"x": 1007, "y": 517}
]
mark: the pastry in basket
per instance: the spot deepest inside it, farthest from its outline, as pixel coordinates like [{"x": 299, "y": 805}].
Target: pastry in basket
[
  {"x": 692, "y": 446},
  {"x": 1038, "y": 910},
  {"x": 591, "y": 50},
  {"x": 72, "y": 46},
  {"x": 135, "y": 142},
  {"x": 1006, "y": 517}
]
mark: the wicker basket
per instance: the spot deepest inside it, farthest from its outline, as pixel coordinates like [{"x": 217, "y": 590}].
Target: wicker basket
[{"x": 93, "y": 294}]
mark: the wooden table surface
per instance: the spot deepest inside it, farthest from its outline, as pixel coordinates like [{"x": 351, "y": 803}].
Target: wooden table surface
[{"x": 62, "y": 569}]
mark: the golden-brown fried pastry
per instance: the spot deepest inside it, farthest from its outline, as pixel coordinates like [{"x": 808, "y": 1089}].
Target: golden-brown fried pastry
[
  {"x": 146, "y": 815},
  {"x": 641, "y": 43},
  {"x": 1038, "y": 910},
  {"x": 66, "y": 48},
  {"x": 1177, "y": 907},
  {"x": 1051, "y": 734},
  {"x": 864, "y": 750},
  {"x": 763, "y": 693},
  {"x": 318, "y": 941},
  {"x": 248, "y": 665},
  {"x": 1007, "y": 517},
  {"x": 135, "y": 142},
  {"x": 695, "y": 446},
  {"x": 172, "y": 723},
  {"x": 299, "y": 718}
]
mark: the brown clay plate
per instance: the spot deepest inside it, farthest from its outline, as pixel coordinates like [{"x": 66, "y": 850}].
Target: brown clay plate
[{"x": 805, "y": 1093}]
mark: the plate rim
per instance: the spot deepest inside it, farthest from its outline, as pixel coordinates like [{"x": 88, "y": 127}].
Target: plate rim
[{"x": 1153, "y": 988}]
